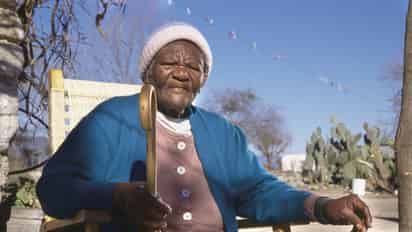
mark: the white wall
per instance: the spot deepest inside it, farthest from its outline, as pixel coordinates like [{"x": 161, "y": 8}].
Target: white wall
[{"x": 293, "y": 162}]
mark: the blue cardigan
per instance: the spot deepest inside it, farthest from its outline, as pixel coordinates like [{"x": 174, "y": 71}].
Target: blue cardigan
[{"x": 108, "y": 144}]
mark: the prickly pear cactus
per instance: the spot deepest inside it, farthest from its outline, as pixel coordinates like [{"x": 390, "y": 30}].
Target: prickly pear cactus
[
  {"x": 348, "y": 152},
  {"x": 316, "y": 163},
  {"x": 342, "y": 157},
  {"x": 384, "y": 171}
]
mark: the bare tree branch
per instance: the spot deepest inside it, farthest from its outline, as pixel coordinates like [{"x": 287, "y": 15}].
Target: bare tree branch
[
  {"x": 261, "y": 122},
  {"x": 100, "y": 17},
  {"x": 51, "y": 44}
]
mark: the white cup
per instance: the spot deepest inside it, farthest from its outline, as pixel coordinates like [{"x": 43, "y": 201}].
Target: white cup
[{"x": 358, "y": 186}]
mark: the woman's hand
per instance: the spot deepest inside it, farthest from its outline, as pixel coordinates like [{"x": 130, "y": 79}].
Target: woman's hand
[{"x": 134, "y": 207}]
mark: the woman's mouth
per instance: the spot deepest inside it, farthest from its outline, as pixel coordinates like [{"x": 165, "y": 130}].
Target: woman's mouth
[{"x": 179, "y": 90}]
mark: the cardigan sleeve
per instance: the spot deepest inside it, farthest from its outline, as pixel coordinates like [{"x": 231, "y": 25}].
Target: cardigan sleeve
[
  {"x": 74, "y": 178},
  {"x": 258, "y": 194}
]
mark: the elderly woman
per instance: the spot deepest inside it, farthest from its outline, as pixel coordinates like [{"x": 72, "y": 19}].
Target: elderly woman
[{"x": 207, "y": 175}]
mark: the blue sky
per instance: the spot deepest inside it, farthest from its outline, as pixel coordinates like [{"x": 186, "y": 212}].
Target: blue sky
[{"x": 349, "y": 42}]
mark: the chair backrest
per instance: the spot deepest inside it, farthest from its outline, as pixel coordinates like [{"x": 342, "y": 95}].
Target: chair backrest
[{"x": 70, "y": 100}]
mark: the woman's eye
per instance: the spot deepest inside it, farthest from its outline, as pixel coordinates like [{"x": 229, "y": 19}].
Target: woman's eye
[
  {"x": 195, "y": 68},
  {"x": 167, "y": 66}
]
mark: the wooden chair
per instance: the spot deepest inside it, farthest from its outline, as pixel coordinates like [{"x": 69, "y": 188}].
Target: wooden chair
[{"x": 69, "y": 101}]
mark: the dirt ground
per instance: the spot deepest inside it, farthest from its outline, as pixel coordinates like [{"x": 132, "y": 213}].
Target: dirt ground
[{"x": 384, "y": 209}]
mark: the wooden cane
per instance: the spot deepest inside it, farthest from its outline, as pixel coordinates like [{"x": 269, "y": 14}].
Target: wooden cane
[{"x": 148, "y": 107}]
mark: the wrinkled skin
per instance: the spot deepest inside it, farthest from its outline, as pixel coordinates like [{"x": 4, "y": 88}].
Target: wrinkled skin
[
  {"x": 134, "y": 207},
  {"x": 177, "y": 72},
  {"x": 349, "y": 210}
]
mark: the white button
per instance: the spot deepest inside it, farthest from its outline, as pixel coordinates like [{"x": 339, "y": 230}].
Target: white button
[
  {"x": 181, "y": 146},
  {"x": 187, "y": 216},
  {"x": 181, "y": 170}
]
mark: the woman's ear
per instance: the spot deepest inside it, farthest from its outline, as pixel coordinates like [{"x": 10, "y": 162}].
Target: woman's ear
[
  {"x": 203, "y": 80},
  {"x": 148, "y": 79},
  {"x": 148, "y": 74}
]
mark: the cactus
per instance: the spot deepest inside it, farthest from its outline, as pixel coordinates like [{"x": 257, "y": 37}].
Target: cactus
[
  {"x": 342, "y": 158},
  {"x": 316, "y": 163},
  {"x": 349, "y": 152},
  {"x": 384, "y": 166}
]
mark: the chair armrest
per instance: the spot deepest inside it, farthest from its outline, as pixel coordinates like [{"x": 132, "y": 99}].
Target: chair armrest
[
  {"x": 248, "y": 223},
  {"x": 82, "y": 217},
  {"x": 85, "y": 216}
]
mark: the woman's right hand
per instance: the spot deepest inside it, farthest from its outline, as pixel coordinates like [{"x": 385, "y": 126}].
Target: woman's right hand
[{"x": 135, "y": 207}]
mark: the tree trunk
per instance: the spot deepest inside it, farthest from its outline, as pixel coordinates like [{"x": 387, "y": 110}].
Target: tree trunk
[
  {"x": 404, "y": 134},
  {"x": 11, "y": 66}
]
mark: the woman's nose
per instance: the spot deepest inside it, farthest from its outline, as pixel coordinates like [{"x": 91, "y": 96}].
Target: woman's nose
[{"x": 180, "y": 73}]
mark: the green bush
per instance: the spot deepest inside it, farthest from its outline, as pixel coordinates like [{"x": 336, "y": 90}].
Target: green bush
[{"x": 26, "y": 194}]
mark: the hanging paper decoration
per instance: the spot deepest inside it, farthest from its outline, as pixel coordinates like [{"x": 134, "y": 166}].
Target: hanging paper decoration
[
  {"x": 342, "y": 88},
  {"x": 232, "y": 35},
  {"x": 334, "y": 84},
  {"x": 327, "y": 81},
  {"x": 339, "y": 87},
  {"x": 278, "y": 57},
  {"x": 324, "y": 80},
  {"x": 254, "y": 45},
  {"x": 209, "y": 20}
]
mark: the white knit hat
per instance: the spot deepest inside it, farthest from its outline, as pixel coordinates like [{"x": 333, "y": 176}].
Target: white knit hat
[{"x": 169, "y": 33}]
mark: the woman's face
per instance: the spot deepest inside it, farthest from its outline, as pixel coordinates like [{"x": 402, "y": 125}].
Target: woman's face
[{"x": 177, "y": 73}]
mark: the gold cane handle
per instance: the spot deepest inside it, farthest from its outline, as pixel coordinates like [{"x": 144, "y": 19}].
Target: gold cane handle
[{"x": 148, "y": 107}]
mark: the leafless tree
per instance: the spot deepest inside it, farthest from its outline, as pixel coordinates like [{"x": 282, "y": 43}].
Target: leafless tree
[
  {"x": 54, "y": 35},
  {"x": 235, "y": 105},
  {"x": 37, "y": 35},
  {"x": 52, "y": 42},
  {"x": 394, "y": 74},
  {"x": 123, "y": 39},
  {"x": 262, "y": 123},
  {"x": 11, "y": 67},
  {"x": 268, "y": 133}
]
